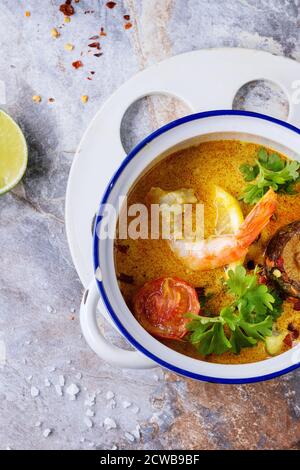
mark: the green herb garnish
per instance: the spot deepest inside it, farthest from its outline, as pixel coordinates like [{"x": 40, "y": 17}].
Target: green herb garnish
[
  {"x": 270, "y": 171},
  {"x": 247, "y": 320}
]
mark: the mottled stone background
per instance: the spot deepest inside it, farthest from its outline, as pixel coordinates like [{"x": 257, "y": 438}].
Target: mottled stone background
[{"x": 39, "y": 289}]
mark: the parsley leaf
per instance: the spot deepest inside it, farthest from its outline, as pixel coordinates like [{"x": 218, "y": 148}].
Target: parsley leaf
[
  {"x": 247, "y": 320},
  {"x": 269, "y": 171}
]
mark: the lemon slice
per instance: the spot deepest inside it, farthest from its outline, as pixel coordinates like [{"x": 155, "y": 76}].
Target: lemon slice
[
  {"x": 13, "y": 153},
  {"x": 229, "y": 217}
]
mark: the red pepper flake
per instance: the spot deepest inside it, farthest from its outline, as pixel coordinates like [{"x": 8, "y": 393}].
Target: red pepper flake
[
  {"x": 66, "y": 8},
  {"x": 288, "y": 340},
  {"x": 94, "y": 37},
  {"x": 127, "y": 25},
  {"x": 297, "y": 305},
  {"x": 92, "y": 72},
  {"x": 51, "y": 100},
  {"x": 111, "y": 5},
  {"x": 126, "y": 17},
  {"x": 99, "y": 54},
  {"x": 88, "y": 78},
  {"x": 95, "y": 44},
  {"x": 77, "y": 64},
  {"x": 102, "y": 32}
]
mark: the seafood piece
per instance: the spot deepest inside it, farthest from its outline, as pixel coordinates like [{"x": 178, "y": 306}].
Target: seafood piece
[{"x": 218, "y": 251}]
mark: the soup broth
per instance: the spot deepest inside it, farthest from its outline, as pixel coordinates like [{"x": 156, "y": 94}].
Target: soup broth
[{"x": 201, "y": 167}]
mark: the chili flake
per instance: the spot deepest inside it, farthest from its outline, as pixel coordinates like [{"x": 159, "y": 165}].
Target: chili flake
[
  {"x": 127, "y": 25},
  {"x": 95, "y": 44},
  {"x": 84, "y": 99},
  {"x": 102, "y": 32},
  {"x": 111, "y": 5},
  {"x": 77, "y": 64},
  {"x": 126, "y": 17},
  {"x": 67, "y": 9},
  {"x": 27, "y": 14}
]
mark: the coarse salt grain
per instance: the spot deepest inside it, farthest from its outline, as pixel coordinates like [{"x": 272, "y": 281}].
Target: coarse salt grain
[
  {"x": 58, "y": 390},
  {"x": 126, "y": 404},
  {"x": 109, "y": 423},
  {"x": 47, "y": 432},
  {"x": 89, "y": 423},
  {"x": 61, "y": 380},
  {"x": 109, "y": 395},
  {"x": 129, "y": 437},
  {"x": 47, "y": 383},
  {"x": 73, "y": 390},
  {"x": 34, "y": 392}
]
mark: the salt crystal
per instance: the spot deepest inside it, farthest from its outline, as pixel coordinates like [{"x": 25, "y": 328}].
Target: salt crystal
[
  {"x": 88, "y": 422},
  {"x": 126, "y": 404},
  {"x": 38, "y": 424},
  {"x": 82, "y": 439},
  {"x": 8, "y": 448},
  {"x": 47, "y": 432},
  {"x": 114, "y": 447},
  {"x": 69, "y": 361},
  {"x": 109, "y": 424},
  {"x": 73, "y": 390},
  {"x": 34, "y": 392},
  {"x": 47, "y": 383},
  {"x": 110, "y": 395},
  {"x": 89, "y": 412},
  {"x": 112, "y": 404},
  {"x": 129, "y": 437},
  {"x": 24, "y": 360},
  {"x": 58, "y": 390},
  {"x": 49, "y": 309},
  {"x": 136, "y": 432},
  {"x": 135, "y": 410},
  {"x": 28, "y": 342},
  {"x": 78, "y": 376},
  {"x": 29, "y": 378},
  {"x": 72, "y": 310},
  {"x": 52, "y": 369},
  {"x": 61, "y": 380},
  {"x": 91, "y": 444}
]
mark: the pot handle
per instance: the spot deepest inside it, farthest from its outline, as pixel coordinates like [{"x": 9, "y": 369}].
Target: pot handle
[{"x": 99, "y": 344}]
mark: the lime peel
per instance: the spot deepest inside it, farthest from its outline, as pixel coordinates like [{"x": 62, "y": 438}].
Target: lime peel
[{"x": 13, "y": 153}]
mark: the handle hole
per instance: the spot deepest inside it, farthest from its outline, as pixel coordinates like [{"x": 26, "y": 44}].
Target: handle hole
[
  {"x": 262, "y": 96},
  {"x": 146, "y": 114}
]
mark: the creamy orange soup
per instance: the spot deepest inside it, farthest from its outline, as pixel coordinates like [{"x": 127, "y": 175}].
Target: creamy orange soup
[{"x": 201, "y": 167}]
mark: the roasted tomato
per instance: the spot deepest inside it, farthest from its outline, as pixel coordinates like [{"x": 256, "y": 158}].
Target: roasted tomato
[{"x": 161, "y": 304}]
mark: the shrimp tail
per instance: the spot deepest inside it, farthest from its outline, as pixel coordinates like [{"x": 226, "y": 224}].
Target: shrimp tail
[{"x": 257, "y": 219}]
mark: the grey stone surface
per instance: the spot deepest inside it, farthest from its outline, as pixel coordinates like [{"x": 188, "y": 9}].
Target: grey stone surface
[{"x": 39, "y": 287}]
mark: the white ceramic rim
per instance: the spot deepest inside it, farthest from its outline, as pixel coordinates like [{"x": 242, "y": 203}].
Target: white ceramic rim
[{"x": 246, "y": 126}]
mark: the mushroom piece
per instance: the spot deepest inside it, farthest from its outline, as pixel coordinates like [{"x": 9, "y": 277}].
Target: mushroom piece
[{"x": 282, "y": 260}]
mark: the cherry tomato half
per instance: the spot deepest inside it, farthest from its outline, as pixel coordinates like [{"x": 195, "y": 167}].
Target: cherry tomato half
[{"x": 161, "y": 304}]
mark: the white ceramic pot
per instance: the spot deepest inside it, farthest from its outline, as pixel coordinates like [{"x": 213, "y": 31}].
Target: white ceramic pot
[{"x": 196, "y": 128}]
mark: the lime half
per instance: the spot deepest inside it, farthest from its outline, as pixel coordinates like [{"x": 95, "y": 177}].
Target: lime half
[{"x": 13, "y": 153}]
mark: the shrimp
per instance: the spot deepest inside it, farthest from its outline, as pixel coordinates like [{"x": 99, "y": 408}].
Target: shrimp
[{"x": 217, "y": 251}]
